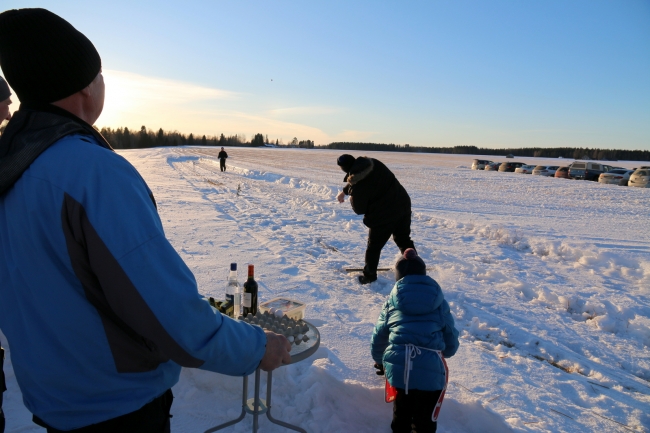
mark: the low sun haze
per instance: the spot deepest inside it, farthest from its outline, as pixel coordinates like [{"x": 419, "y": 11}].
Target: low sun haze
[{"x": 429, "y": 73}]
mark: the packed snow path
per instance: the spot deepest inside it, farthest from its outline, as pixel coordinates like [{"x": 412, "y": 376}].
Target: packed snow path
[{"x": 548, "y": 279}]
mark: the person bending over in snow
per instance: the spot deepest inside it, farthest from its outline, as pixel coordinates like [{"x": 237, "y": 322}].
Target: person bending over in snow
[
  {"x": 414, "y": 334},
  {"x": 385, "y": 205}
]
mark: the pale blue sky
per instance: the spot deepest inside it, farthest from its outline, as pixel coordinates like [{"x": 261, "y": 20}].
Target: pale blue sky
[{"x": 429, "y": 73}]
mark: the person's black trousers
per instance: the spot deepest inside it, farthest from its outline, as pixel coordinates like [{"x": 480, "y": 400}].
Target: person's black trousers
[
  {"x": 222, "y": 164},
  {"x": 377, "y": 238},
  {"x": 413, "y": 412},
  {"x": 3, "y": 388},
  {"x": 151, "y": 418}
]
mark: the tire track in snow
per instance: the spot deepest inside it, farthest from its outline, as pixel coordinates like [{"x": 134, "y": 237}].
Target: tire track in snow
[
  {"x": 495, "y": 265},
  {"x": 300, "y": 232},
  {"x": 257, "y": 208}
]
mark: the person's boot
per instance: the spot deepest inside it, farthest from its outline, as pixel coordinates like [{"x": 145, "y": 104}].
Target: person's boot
[{"x": 366, "y": 280}]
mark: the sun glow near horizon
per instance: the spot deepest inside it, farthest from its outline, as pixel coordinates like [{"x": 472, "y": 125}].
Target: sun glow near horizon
[
  {"x": 133, "y": 100},
  {"x": 136, "y": 99}
]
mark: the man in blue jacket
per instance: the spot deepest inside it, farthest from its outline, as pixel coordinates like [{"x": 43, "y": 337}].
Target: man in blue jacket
[{"x": 99, "y": 311}]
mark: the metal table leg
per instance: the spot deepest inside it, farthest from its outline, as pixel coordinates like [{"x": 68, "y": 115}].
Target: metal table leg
[
  {"x": 269, "y": 380},
  {"x": 256, "y": 406},
  {"x": 243, "y": 409},
  {"x": 256, "y": 401}
]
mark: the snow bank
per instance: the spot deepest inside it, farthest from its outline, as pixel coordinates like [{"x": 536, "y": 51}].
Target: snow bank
[{"x": 548, "y": 281}]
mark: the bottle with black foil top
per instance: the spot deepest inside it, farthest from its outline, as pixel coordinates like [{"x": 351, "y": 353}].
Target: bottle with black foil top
[
  {"x": 231, "y": 305},
  {"x": 249, "y": 301}
]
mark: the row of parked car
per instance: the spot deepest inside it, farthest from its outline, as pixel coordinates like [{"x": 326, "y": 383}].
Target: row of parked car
[{"x": 585, "y": 170}]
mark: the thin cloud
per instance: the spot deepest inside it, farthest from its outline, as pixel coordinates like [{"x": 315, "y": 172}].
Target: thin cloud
[
  {"x": 133, "y": 100},
  {"x": 309, "y": 111},
  {"x": 352, "y": 135},
  {"x": 157, "y": 89}
]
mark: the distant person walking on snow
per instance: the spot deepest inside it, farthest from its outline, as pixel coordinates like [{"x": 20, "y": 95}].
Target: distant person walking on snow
[
  {"x": 222, "y": 159},
  {"x": 414, "y": 334},
  {"x": 376, "y": 194}
]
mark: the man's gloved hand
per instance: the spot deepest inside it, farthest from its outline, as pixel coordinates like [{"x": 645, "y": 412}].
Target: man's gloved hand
[{"x": 380, "y": 369}]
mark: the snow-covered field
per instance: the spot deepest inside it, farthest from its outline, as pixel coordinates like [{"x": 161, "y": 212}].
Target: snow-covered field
[{"x": 548, "y": 279}]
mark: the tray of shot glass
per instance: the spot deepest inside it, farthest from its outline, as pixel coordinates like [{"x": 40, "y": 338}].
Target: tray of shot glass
[{"x": 303, "y": 336}]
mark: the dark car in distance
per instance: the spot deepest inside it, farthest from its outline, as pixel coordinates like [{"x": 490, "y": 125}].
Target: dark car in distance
[
  {"x": 510, "y": 166},
  {"x": 586, "y": 170}
]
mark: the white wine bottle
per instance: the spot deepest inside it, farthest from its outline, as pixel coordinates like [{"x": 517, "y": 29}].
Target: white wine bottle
[{"x": 233, "y": 293}]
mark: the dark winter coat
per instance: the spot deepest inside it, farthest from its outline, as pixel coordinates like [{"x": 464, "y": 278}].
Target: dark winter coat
[
  {"x": 415, "y": 313},
  {"x": 99, "y": 310},
  {"x": 222, "y": 155},
  {"x": 3, "y": 388},
  {"x": 376, "y": 193}
]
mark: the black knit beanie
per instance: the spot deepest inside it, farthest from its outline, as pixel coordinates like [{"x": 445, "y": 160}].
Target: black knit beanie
[
  {"x": 5, "y": 93},
  {"x": 409, "y": 264},
  {"x": 345, "y": 161},
  {"x": 43, "y": 57}
]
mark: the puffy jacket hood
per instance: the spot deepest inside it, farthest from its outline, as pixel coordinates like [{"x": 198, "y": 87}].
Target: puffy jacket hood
[
  {"x": 360, "y": 169},
  {"x": 31, "y": 130},
  {"x": 416, "y": 295},
  {"x": 375, "y": 193}
]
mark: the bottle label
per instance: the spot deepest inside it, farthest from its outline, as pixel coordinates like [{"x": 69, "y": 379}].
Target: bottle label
[{"x": 248, "y": 297}]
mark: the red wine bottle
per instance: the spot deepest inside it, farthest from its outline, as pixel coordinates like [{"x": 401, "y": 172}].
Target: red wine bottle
[{"x": 250, "y": 293}]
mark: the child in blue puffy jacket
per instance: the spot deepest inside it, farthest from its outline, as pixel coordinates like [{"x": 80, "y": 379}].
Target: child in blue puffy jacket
[{"x": 414, "y": 334}]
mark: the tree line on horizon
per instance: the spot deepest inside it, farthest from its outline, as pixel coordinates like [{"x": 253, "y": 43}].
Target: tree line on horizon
[
  {"x": 537, "y": 152},
  {"x": 123, "y": 138}
]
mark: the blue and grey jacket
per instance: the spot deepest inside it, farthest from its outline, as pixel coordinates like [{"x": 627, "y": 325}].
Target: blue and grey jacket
[
  {"x": 415, "y": 313},
  {"x": 99, "y": 310}
]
